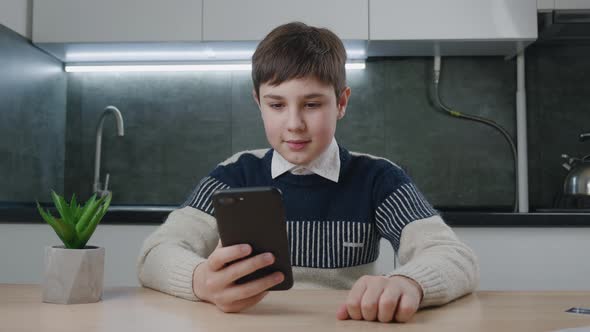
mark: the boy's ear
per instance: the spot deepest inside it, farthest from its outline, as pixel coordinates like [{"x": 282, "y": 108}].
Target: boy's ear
[
  {"x": 343, "y": 102},
  {"x": 255, "y": 96}
]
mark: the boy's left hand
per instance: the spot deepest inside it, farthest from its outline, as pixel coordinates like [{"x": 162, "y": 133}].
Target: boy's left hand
[{"x": 382, "y": 298}]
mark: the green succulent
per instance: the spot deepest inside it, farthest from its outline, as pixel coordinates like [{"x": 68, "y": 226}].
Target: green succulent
[{"x": 77, "y": 224}]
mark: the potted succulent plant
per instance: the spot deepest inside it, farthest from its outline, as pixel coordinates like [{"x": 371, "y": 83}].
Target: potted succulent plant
[{"x": 74, "y": 272}]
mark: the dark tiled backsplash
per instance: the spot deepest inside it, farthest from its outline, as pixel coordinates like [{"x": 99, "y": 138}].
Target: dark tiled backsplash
[
  {"x": 32, "y": 120},
  {"x": 178, "y": 126}
]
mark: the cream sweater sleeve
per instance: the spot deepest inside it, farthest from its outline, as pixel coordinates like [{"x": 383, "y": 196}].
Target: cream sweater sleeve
[
  {"x": 170, "y": 254},
  {"x": 431, "y": 254}
]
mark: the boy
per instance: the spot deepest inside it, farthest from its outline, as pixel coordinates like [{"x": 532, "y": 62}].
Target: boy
[{"x": 338, "y": 203}]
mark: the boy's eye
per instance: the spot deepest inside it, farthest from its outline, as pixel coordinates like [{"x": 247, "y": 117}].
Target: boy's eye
[
  {"x": 313, "y": 105},
  {"x": 276, "y": 106}
]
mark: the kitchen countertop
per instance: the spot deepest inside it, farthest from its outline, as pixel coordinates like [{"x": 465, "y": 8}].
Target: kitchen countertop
[
  {"x": 156, "y": 214},
  {"x": 142, "y": 309}
]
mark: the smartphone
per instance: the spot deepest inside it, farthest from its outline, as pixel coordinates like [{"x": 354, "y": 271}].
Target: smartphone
[{"x": 255, "y": 216}]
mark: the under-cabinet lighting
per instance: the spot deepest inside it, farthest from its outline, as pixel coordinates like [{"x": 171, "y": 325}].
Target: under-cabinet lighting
[{"x": 71, "y": 68}]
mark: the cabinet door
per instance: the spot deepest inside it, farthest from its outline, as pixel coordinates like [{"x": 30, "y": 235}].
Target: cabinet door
[
  {"x": 13, "y": 15},
  {"x": 530, "y": 258},
  {"x": 452, "y": 19},
  {"x": 239, "y": 20},
  {"x": 545, "y": 5},
  {"x": 572, "y": 4},
  {"x": 67, "y": 21}
]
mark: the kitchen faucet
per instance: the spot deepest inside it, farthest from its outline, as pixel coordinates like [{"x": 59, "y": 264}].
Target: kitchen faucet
[
  {"x": 96, "y": 187},
  {"x": 584, "y": 136}
]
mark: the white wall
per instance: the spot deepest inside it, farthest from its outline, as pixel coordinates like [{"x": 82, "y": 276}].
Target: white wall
[
  {"x": 531, "y": 258},
  {"x": 22, "y": 248},
  {"x": 16, "y": 15},
  {"x": 511, "y": 258}
]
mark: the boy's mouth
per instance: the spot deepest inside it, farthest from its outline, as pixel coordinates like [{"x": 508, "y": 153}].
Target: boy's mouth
[{"x": 297, "y": 145}]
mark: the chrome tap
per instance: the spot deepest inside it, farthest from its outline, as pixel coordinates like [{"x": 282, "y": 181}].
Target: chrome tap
[
  {"x": 96, "y": 187},
  {"x": 584, "y": 136}
]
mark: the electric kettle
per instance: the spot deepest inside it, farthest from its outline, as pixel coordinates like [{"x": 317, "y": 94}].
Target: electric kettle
[{"x": 577, "y": 181}]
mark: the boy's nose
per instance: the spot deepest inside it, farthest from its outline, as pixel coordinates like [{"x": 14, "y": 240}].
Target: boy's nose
[{"x": 295, "y": 121}]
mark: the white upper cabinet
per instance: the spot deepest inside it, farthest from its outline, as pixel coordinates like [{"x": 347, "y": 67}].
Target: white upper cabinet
[
  {"x": 550, "y": 5},
  {"x": 572, "y": 4},
  {"x": 452, "y": 19},
  {"x": 72, "y": 21},
  {"x": 545, "y": 5},
  {"x": 239, "y": 20},
  {"x": 187, "y": 30},
  {"x": 462, "y": 27},
  {"x": 14, "y": 14}
]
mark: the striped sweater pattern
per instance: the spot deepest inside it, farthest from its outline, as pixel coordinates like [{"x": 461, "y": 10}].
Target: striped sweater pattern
[{"x": 329, "y": 225}]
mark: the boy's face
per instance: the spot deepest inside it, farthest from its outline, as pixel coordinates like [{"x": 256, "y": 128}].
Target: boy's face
[{"x": 300, "y": 117}]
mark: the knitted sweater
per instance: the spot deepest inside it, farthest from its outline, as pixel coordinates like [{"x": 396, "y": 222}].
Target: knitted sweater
[{"x": 334, "y": 229}]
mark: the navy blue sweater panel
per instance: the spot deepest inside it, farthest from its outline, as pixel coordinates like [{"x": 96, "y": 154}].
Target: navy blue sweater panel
[
  {"x": 364, "y": 183},
  {"x": 329, "y": 224}
]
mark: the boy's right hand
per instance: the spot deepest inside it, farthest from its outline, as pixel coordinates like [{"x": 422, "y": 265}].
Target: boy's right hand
[{"x": 214, "y": 279}]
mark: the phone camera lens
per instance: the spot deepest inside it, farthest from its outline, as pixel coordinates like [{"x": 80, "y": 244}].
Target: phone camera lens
[{"x": 227, "y": 200}]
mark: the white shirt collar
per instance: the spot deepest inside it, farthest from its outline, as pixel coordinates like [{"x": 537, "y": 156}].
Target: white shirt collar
[{"x": 326, "y": 165}]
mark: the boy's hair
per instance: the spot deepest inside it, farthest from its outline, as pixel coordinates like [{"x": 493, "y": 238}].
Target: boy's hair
[{"x": 296, "y": 50}]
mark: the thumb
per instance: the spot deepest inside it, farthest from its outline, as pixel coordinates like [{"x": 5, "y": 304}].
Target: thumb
[{"x": 342, "y": 312}]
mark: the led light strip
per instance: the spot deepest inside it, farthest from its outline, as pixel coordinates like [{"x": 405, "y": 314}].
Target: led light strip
[{"x": 175, "y": 67}]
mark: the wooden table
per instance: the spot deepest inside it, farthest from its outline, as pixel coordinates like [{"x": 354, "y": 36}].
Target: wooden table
[{"x": 139, "y": 309}]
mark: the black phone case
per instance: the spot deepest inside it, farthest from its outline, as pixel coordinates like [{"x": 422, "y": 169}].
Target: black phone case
[{"x": 255, "y": 215}]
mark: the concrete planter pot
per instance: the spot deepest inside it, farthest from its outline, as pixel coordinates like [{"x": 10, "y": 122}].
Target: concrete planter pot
[{"x": 73, "y": 275}]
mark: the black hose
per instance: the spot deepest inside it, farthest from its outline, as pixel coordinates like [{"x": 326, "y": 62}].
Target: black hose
[{"x": 489, "y": 123}]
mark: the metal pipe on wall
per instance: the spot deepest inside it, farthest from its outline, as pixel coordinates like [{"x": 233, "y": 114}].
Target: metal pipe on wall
[{"x": 521, "y": 135}]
